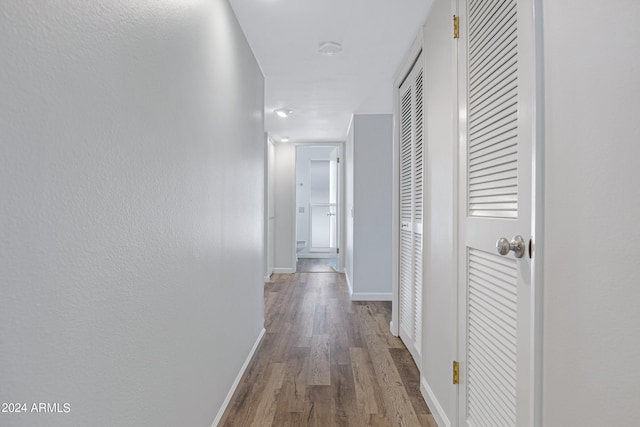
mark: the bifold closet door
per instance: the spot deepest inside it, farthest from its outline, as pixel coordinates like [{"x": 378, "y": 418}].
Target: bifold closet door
[{"x": 411, "y": 209}]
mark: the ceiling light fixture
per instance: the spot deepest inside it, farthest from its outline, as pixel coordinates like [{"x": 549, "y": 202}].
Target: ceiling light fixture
[
  {"x": 284, "y": 139},
  {"x": 282, "y": 112},
  {"x": 330, "y": 48}
]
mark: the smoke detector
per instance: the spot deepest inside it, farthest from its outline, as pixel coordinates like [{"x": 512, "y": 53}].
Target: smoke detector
[{"x": 329, "y": 48}]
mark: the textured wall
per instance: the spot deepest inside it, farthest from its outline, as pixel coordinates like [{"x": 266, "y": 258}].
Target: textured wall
[
  {"x": 592, "y": 208},
  {"x": 131, "y": 214},
  {"x": 285, "y": 202}
]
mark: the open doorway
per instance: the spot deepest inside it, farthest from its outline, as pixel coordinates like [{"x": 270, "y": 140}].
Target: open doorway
[{"x": 317, "y": 209}]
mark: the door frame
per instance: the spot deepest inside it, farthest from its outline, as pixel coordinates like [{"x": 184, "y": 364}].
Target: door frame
[
  {"x": 537, "y": 216},
  {"x": 340, "y": 199},
  {"x": 269, "y": 202}
]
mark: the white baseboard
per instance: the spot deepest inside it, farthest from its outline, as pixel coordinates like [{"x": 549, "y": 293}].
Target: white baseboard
[
  {"x": 346, "y": 276},
  {"x": 393, "y": 329},
  {"x": 266, "y": 279},
  {"x": 283, "y": 270},
  {"x": 436, "y": 409},
  {"x": 371, "y": 296},
  {"x": 237, "y": 380}
]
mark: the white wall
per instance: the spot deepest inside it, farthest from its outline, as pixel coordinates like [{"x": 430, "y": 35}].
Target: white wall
[
  {"x": 372, "y": 180},
  {"x": 440, "y": 278},
  {"x": 285, "y": 200},
  {"x": 131, "y": 221},
  {"x": 592, "y": 209}
]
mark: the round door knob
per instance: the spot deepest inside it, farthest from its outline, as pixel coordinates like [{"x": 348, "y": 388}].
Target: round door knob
[{"x": 516, "y": 245}]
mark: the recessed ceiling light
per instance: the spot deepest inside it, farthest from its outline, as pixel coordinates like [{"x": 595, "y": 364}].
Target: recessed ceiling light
[
  {"x": 284, "y": 139},
  {"x": 330, "y": 48},
  {"x": 283, "y": 112}
]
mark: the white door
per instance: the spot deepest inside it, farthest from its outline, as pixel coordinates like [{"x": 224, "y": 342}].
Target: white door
[
  {"x": 497, "y": 139},
  {"x": 411, "y": 209}
]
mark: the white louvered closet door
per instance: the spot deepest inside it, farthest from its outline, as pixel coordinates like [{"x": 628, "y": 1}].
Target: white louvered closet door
[
  {"x": 497, "y": 99},
  {"x": 411, "y": 209}
]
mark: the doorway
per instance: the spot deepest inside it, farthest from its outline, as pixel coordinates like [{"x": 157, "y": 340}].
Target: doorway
[{"x": 317, "y": 208}]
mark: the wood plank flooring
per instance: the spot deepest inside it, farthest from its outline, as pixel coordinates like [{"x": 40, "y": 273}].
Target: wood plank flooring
[
  {"x": 326, "y": 361},
  {"x": 316, "y": 265}
]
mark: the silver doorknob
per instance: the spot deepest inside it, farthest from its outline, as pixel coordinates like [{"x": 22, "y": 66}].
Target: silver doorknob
[{"x": 516, "y": 245}]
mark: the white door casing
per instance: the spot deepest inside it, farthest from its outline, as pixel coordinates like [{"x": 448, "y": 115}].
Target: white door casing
[
  {"x": 411, "y": 182},
  {"x": 497, "y": 131},
  {"x": 335, "y": 205}
]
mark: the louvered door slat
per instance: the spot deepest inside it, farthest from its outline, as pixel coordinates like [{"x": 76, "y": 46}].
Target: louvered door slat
[
  {"x": 491, "y": 34},
  {"x": 495, "y": 386},
  {"x": 491, "y": 348},
  {"x": 417, "y": 289},
  {"x": 405, "y": 157},
  {"x": 491, "y": 147},
  {"x": 493, "y": 83},
  {"x": 485, "y": 67},
  {"x": 418, "y": 162},
  {"x": 493, "y": 109},
  {"x": 406, "y": 212},
  {"x": 492, "y": 342},
  {"x": 497, "y": 179},
  {"x": 406, "y": 282},
  {"x": 482, "y": 14},
  {"x": 497, "y": 96},
  {"x": 418, "y": 149}
]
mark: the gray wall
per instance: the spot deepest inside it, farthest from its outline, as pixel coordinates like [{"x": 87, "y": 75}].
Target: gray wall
[
  {"x": 592, "y": 208},
  {"x": 372, "y": 182},
  {"x": 285, "y": 202},
  {"x": 131, "y": 221}
]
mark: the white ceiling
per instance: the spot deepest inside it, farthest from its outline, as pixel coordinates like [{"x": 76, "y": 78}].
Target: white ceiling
[{"x": 324, "y": 91}]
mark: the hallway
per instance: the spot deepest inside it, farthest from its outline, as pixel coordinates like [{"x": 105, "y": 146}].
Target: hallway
[{"x": 327, "y": 361}]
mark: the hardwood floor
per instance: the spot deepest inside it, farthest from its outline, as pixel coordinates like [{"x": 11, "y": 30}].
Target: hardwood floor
[
  {"x": 327, "y": 361},
  {"x": 316, "y": 265}
]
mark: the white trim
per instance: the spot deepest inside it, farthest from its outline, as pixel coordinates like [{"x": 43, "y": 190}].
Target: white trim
[
  {"x": 433, "y": 404},
  {"x": 456, "y": 349},
  {"x": 348, "y": 283},
  {"x": 223, "y": 408},
  {"x": 284, "y": 270},
  {"x": 392, "y": 328},
  {"x": 266, "y": 279},
  {"x": 537, "y": 222},
  {"x": 371, "y": 296},
  {"x": 340, "y": 201},
  {"x": 409, "y": 58}
]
